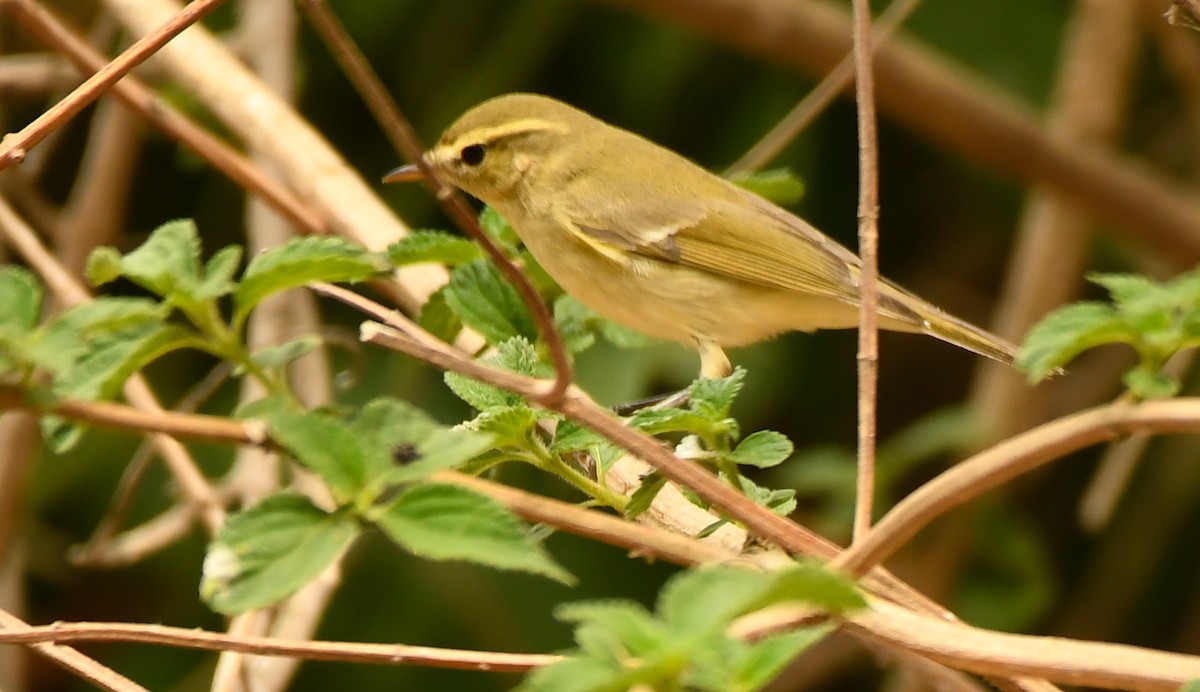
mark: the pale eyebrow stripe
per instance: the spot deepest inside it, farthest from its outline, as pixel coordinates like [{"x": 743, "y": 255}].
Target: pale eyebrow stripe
[{"x": 517, "y": 127}]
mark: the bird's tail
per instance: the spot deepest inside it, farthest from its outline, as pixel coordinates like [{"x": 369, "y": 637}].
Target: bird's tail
[{"x": 927, "y": 319}]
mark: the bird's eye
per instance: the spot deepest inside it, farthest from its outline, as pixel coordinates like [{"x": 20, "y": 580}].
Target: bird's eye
[{"x": 472, "y": 154}]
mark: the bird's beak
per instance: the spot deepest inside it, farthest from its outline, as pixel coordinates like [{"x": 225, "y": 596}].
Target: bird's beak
[{"x": 403, "y": 174}]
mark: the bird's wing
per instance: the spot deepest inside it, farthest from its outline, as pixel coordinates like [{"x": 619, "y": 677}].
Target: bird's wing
[{"x": 739, "y": 235}]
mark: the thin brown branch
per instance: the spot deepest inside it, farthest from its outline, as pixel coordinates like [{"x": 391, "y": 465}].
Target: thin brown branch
[
  {"x": 817, "y": 100},
  {"x": 206, "y": 68},
  {"x": 868, "y": 250},
  {"x": 14, "y": 146},
  {"x": 346, "y": 652},
  {"x": 64, "y": 656},
  {"x": 956, "y": 110},
  {"x": 404, "y": 138},
  {"x": 1011, "y": 458},
  {"x": 135, "y": 95},
  {"x": 1068, "y": 661}
]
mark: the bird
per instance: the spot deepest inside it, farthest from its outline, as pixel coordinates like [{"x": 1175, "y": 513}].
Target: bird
[{"x": 650, "y": 240}]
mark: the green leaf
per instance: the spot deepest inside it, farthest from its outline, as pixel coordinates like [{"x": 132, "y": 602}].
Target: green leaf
[
  {"x": 704, "y": 601},
  {"x": 763, "y": 449},
  {"x": 713, "y": 397},
  {"x": 569, "y": 436},
  {"x": 168, "y": 263},
  {"x": 1191, "y": 685},
  {"x": 446, "y": 522},
  {"x": 112, "y": 358},
  {"x": 499, "y": 230},
  {"x": 218, "y": 273},
  {"x": 281, "y": 354},
  {"x": 433, "y": 246},
  {"x": 486, "y": 302},
  {"x": 615, "y": 629},
  {"x": 779, "y": 185},
  {"x": 266, "y": 552},
  {"x": 301, "y": 261},
  {"x": 1131, "y": 290},
  {"x": 516, "y": 355},
  {"x": 658, "y": 421},
  {"x": 766, "y": 658},
  {"x": 644, "y": 496},
  {"x": 103, "y": 266},
  {"x": 21, "y": 294},
  {"x": 329, "y": 448},
  {"x": 578, "y": 675},
  {"x": 110, "y": 314},
  {"x": 511, "y": 425},
  {"x": 438, "y": 319},
  {"x": 1145, "y": 384},
  {"x": 708, "y": 599},
  {"x": 811, "y": 582},
  {"x": 445, "y": 448},
  {"x": 1067, "y": 332}
]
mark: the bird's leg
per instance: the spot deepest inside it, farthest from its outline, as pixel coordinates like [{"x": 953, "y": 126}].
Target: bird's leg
[{"x": 714, "y": 363}]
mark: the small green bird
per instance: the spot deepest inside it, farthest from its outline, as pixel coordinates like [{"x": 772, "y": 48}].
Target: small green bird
[{"x": 652, "y": 241}]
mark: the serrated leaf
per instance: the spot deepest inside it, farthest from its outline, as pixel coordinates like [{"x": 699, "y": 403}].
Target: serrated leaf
[
  {"x": 1067, "y": 332},
  {"x": 433, "y": 246},
  {"x": 516, "y": 355},
  {"x": 486, "y": 302},
  {"x": 110, "y": 314},
  {"x": 1132, "y": 291},
  {"x": 103, "y": 266},
  {"x": 168, "y": 262},
  {"x": 266, "y": 552},
  {"x": 766, "y": 658},
  {"x": 713, "y": 397},
  {"x": 112, "y": 358},
  {"x": 329, "y": 448},
  {"x": 282, "y": 354},
  {"x": 763, "y": 449},
  {"x": 438, "y": 319},
  {"x": 509, "y": 424},
  {"x": 300, "y": 261},
  {"x": 447, "y": 522},
  {"x": 779, "y": 185},
  {"x": 498, "y": 229},
  {"x": 480, "y": 396},
  {"x": 218, "y": 273},
  {"x": 21, "y": 296}
]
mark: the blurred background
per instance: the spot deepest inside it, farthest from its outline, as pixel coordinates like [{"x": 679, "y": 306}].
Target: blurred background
[{"x": 953, "y": 225}]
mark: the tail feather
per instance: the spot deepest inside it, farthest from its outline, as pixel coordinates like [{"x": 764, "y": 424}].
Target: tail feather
[{"x": 904, "y": 307}]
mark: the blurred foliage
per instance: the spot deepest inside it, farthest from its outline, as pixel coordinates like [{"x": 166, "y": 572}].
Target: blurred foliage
[{"x": 945, "y": 233}]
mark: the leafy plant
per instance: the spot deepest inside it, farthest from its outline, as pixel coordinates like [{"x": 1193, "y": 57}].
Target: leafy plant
[
  {"x": 686, "y": 643},
  {"x": 1157, "y": 319}
]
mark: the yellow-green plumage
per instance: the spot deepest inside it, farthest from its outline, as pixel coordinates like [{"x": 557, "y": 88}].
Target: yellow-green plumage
[{"x": 650, "y": 240}]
